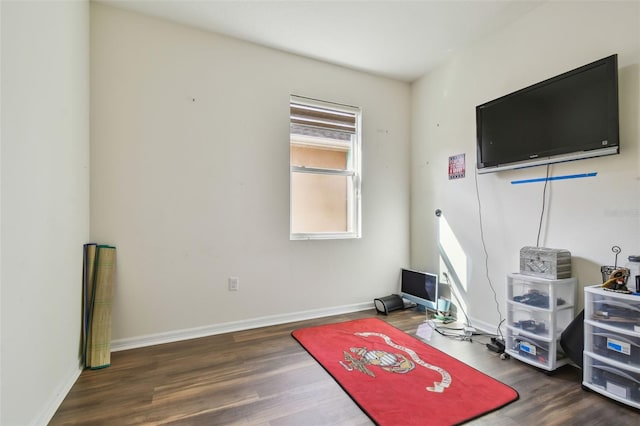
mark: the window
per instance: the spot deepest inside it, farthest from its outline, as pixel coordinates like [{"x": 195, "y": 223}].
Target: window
[{"x": 325, "y": 170}]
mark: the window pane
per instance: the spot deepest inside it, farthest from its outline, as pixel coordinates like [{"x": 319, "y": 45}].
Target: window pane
[
  {"x": 307, "y": 156},
  {"x": 320, "y": 203}
]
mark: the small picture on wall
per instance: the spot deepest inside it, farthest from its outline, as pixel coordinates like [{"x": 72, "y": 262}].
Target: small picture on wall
[{"x": 456, "y": 166}]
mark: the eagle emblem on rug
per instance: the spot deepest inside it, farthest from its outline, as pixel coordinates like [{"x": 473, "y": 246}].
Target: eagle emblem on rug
[{"x": 360, "y": 359}]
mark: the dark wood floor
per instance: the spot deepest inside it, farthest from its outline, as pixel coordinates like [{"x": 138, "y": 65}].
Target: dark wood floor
[{"x": 264, "y": 377}]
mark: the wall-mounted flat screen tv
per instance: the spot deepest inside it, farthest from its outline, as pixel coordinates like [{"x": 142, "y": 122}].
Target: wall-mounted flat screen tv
[{"x": 568, "y": 117}]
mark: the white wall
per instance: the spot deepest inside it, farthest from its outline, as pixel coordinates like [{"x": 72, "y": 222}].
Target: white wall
[
  {"x": 44, "y": 202},
  {"x": 586, "y": 216},
  {"x": 189, "y": 178}
]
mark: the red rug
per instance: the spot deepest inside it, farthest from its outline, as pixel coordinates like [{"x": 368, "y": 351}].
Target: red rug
[{"x": 399, "y": 380}]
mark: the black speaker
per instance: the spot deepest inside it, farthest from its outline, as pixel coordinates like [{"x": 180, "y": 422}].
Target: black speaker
[{"x": 386, "y": 304}]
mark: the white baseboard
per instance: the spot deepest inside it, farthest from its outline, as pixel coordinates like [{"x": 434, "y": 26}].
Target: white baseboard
[
  {"x": 228, "y": 327},
  {"x": 485, "y": 326},
  {"x": 49, "y": 409}
]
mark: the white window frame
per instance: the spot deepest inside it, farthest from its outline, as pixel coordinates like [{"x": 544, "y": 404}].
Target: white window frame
[{"x": 354, "y": 204}]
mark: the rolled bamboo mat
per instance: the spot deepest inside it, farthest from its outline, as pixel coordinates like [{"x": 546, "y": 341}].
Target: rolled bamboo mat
[
  {"x": 98, "y": 354},
  {"x": 88, "y": 281}
]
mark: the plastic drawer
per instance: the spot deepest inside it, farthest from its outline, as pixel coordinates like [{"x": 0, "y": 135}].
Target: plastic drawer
[
  {"x": 531, "y": 349},
  {"x": 539, "y": 322},
  {"x": 528, "y": 291},
  {"x": 530, "y": 321},
  {"x": 622, "y": 313},
  {"x": 619, "y": 383},
  {"x": 616, "y": 346}
]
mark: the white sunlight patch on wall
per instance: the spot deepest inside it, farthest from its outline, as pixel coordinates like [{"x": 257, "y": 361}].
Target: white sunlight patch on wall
[{"x": 454, "y": 260}]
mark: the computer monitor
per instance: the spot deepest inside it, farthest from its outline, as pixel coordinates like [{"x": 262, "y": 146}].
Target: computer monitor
[{"x": 420, "y": 288}]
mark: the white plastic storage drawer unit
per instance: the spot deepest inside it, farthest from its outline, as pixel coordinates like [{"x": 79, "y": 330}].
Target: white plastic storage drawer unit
[
  {"x": 538, "y": 310},
  {"x": 612, "y": 344}
]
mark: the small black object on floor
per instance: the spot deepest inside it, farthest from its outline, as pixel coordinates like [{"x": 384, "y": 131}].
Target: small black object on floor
[
  {"x": 386, "y": 304},
  {"x": 496, "y": 345}
]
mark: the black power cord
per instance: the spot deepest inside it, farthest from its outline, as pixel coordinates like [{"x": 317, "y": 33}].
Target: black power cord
[
  {"x": 486, "y": 258},
  {"x": 544, "y": 202}
]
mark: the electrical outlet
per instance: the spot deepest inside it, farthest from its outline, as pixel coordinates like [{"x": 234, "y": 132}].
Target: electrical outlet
[{"x": 234, "y": 283}]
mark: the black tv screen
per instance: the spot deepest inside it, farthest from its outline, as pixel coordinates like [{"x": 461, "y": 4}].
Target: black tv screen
[
  {"x": 419, "y": 287},
  {"x": 571, "y": 116}
]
